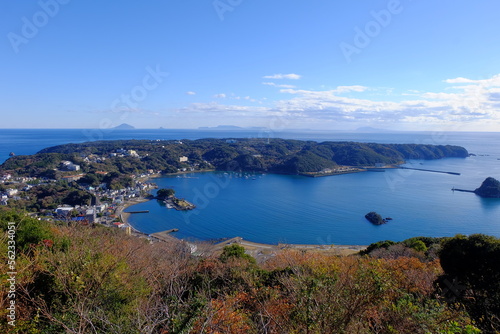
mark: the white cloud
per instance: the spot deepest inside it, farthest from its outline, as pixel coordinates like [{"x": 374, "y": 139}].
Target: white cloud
[
  {"x": 439, "y": 96},
  {"x": 276, "y": 85},
  {"x": 477, "y": 104},
  {"x": 459, "y": 80},
  {"x": 290, "y": 76},
  {"x": 217, "y": 108},
  {"x": 348, "y": 89},
  {"x": 191, "y": 93},
  {"x": 220, "y": 96},
  {"x": 494, "y": 81}
]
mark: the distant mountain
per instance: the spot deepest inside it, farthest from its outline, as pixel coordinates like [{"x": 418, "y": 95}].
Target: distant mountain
[{"x": 124, "y": 126}]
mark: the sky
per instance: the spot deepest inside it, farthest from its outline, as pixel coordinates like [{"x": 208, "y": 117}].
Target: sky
[{"x": 416, "y": 65}]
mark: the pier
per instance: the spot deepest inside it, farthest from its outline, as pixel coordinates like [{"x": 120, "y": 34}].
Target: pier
[
  {"x": 142, "y": 211},
  {"x": 463, "y": 190},
  {"x": 164, "y": 235},
  {"x": 430, "y": 170}
]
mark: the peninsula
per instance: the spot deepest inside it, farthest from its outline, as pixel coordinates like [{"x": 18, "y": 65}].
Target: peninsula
[{"x": 88, "y": 174}]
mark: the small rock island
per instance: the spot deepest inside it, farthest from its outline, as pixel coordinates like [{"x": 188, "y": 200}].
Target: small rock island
[
  {"x": 375, "y": 218},
  {"x": 490, "y": 188},
  {"x": 168, "y": 197}
]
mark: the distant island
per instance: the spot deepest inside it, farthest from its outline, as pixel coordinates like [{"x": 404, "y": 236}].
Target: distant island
[
  {"x": 124, "y": 126},
  {"x": 220, "y": 127}
]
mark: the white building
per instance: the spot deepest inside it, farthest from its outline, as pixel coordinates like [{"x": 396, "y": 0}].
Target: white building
[
  {"x": 64, "y": 210},
  {"x": 68, "y": 165},
  {"x": 101, "y": 208},
  {"x": 183, "y": 159},
  {"x": 11, "y": 192},
  {"x": 73, "y": 167}
]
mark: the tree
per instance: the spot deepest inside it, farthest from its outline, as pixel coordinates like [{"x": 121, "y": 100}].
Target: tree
[
  {"x": 417, "y": 245},
  {"x": 236, "y": 252},
  {"x": 90, "y": 179},
  {"x": 472, "y": 277},
  {"x": 165, "y": 193}
]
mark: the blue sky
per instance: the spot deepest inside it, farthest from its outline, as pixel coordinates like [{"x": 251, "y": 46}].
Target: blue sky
[{"x": 338, "y": 65}]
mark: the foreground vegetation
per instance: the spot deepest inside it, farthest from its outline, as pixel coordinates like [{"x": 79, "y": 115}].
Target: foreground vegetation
[{"x": 75, "y": 279}]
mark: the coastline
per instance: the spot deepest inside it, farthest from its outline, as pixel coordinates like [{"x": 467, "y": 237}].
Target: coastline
[
  {"x": 262, "y": 250},
  {"x": 124, "y": 216}
]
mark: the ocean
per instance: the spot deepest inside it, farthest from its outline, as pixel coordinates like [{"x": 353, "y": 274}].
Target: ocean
[{"x": 328, "y": 210}]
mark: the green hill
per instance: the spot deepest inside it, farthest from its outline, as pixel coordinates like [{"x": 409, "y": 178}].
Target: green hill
[{"x": 277, "y": 155}]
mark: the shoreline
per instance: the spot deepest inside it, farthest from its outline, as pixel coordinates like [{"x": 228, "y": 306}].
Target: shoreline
[{"x": 258, "y": 248}]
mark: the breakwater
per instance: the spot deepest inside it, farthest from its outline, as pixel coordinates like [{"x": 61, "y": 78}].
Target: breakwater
[
  {"x": 430, "y": 170},
  {"x": 165, "y": 235},
  {"x": 463, "y": 190}
]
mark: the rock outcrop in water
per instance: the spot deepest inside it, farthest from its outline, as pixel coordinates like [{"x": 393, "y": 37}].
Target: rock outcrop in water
[
  {"x": 375, "y": 218},
  {"x": 490, "y": 188}
]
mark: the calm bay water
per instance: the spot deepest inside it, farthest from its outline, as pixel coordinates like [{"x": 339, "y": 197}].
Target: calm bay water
[{"x": 280, "y": 208}]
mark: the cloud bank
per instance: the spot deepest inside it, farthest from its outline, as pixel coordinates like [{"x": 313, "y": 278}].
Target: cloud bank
[{"x": 465, "y": 102}]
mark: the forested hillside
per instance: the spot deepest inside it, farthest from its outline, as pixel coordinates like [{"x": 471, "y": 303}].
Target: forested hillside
[
  {"x": 276, "y": 155},
  {"x": 82, "y": 279}
]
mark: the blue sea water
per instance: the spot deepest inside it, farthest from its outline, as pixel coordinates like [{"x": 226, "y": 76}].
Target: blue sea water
[{"x": 328, "y": 210}]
